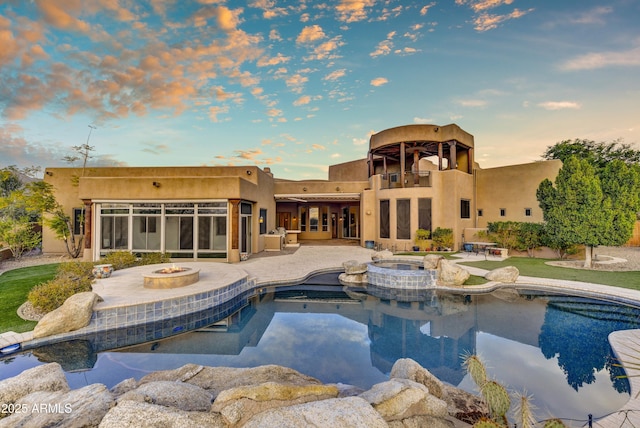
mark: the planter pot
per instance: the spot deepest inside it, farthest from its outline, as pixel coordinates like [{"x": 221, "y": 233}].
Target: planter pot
[{"x": 102, "y": 271}]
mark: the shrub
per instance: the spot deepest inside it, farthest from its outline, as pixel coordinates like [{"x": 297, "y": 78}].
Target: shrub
[
  {"x": 81, "y": 271},
  {"x": 443, "y": 238},
  {"x": 120, "y": 260},
  {"x": 51, "y": 295},
  {"x": 153, "y": 259}
]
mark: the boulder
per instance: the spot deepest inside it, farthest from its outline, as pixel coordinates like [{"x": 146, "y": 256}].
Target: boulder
[
  {"x": 422, "y": 421},
  {"x": 406, "y": 368},
  {"x": 451, "y": 274},
  {"x": 84, "y": 407},
  {"x": 431, "y": 261},
  {"x": 217, "y": 379},
  {"x": 74, "y": 313},
  {"x": 507, "y": 274},
  {"x": 352, "y": 267},
  {"x": 379, "y": 255},
  {"x": 465, "y": 406},
  {"x": 133, "y": 414},
  {"x": 124, "y": 386},
  {"x": 237, "y": 405},
  {"x": 179, "y": 395},
  {"x": 355, "y": 279},
  {"x": 353, "y": 412},
  {"x": 48, "y": 377},
  {"x": 398, "y": 399}
]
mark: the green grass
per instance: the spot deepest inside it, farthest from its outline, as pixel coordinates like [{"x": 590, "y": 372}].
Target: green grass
[
  {"x": 537, "y": 268},
  {"x": 14, "y": 287}
]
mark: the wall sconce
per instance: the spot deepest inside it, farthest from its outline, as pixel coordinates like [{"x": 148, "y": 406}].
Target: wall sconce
[
  {"x": 261, "y": 219},
  {"x": 156, "y": 184},
  {"x": 368, "y": 212},
  {"x": 338, "y": 189},
  {"x": 49, "y": 173},
  {"x": 304, "y": 189},
  {"x": 248, "y": 172},
  {"x": 294, "y": 218}
]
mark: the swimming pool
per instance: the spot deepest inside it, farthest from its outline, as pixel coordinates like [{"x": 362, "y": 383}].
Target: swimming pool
[{"x": 554, "y": 347}]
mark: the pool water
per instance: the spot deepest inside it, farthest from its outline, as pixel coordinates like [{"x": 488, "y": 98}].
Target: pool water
[{"x": 553, "y": 347}]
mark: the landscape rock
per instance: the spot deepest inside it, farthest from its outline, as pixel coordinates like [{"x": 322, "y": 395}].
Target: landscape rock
[
  {"x": 48, "y": 377},
  {"x": 124, "y": 386},
  {"x": 431, "y": 261},
  {"x": 465, "y": 406},
  {"x": 406, "y": 368},
  {"x": 74, "y": 313},
  {"x": 422, "y": 421},
  {"x": 84, "y": 407},
  {"x": 352, "y": 267},
  {"x": 450, "y": 274},
  {"x": 217, "y": 379},
  {"x": 507, "y": 274},
  {"x": 179, "y": 395},
  {"x": 134, "y": 414},
  {"x": 237, "y": 405},
  {"x": 353, "y": 412},
  {"x": 399, "y": 399},
  {"x": 379, "y": 255},
  {"x": 355, "y": 279}
]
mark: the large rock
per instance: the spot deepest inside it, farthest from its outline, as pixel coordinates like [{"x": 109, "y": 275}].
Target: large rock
[
  {"x": 398, "y": 399},
  {"x": 451, "y": 274},
  {"x": 48, "y": 377},
  {"x": 380, "y": 255},
  {"x": 422, "y": 421},
  {"x": 353, "y": 412},
  {"x": 406, "y": 368},
  {"x": 217, "y": 379},
  {"x": 507, "y": 274},
  {"x": 432, "y": 261},
  {"x": 353, "y": 279},
  {"x": 352, "y": 267},
  {"x": 179, "y": 395},
  {"x": 465, "y": 406},
  {"x": 84, "y": 407},
  {"x": 237, "y": 405},
  {"x": 133, "y": 414},
  {"x": 74, "y": 313}
]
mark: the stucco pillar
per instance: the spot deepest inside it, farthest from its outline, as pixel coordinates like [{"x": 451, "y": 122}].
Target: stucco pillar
[
  {"x": 371, "y": 168},
  {"x": 416, "y": 166},
  {"x": 402, "y": 162},
  {"x": 440, "y": 154},
  {"x": 88, "y": 225},
  {"x": 452, "y": 155},
  {"x": 470, "y": 161},
  {"x": 234, "y": 251}
]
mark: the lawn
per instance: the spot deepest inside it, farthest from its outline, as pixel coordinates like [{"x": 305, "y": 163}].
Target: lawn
[
  {"x": 14, "y": 287},
  {"x": 537, "y": 268}
]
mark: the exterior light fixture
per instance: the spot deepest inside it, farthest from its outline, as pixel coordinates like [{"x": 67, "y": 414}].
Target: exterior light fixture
[{"x": 156, "y": 184}]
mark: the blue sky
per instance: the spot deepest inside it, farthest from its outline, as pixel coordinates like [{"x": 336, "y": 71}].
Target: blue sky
[{"x": 300, "y": 85}]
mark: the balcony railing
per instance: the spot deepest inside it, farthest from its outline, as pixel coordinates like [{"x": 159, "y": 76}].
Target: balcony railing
[{"x": 393, "y": 180}]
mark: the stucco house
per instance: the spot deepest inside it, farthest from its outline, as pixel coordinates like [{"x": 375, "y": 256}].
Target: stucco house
[{"x": 413, "y": 176}]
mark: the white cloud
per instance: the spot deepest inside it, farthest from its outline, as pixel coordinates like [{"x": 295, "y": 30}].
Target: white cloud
[
  {"x": 379, "y": 81},
  {"x": 559, "y": 105},
  {"x": 472, "y": 103},
  {"x": 594, "y": 60}
]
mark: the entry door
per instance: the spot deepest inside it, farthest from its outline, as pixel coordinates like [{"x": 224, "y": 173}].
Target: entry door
[
  {"x": 284, "y": 220},
  {"x": 245, "y": 227}
]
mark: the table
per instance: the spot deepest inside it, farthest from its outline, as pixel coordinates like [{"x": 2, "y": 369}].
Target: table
[{"x": 477, "y": 247}]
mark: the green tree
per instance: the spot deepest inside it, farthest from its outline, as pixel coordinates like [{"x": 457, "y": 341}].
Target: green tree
[
  {"x": 579, "y": 210},
  {"x": 598, "y": 154},
  {"x": 18, "y": 235}
]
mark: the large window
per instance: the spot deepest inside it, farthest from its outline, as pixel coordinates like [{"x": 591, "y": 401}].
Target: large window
[
  {"x": 465, "y": 208},
  {"x": 403, "y": 215},
  {"x": 384, "y": 219},
  {"x": 182, "y": 229},
  {"x": 424, "y": 213}
]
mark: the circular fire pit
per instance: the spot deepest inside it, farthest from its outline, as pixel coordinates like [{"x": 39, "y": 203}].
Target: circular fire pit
[{"x": 171, "y": 277}]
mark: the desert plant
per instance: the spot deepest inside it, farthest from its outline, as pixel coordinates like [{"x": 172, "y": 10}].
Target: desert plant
[
  {"x": 81, "y": 271},
  {"x": 51, "y": 295},
  {"x": 153, "y": 259},
  {"x": 120, "y": 259},
  {"x": 442, "y": 237}
]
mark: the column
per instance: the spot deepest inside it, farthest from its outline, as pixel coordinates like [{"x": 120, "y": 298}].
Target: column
[
  {"x": 440, "y": 155},
  {"x": 234, "y": 251},
  {"x": 371, "y": 168},
  {"x": 470, "y": 161},
  {"x": 87, "y": 223},
  {"x": 452, "y": 155},
  {"x": 416, "y": 166},
  {"x": 402, "y": 162}
]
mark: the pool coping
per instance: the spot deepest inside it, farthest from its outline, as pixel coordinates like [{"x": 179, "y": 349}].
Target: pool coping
[{"x": 286, "y": 270}]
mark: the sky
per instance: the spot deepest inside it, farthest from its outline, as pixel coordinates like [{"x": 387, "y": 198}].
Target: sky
[{"x": 300, "y": 85}]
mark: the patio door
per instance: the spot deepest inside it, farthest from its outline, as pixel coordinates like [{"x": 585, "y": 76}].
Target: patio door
[{"x": 245, "y": 227}]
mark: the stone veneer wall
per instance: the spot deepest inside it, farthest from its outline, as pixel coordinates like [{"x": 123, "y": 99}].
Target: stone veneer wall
[{"x": 402, "y": 279}]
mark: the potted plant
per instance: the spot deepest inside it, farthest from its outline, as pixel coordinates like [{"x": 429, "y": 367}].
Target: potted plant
[{"x": 422, "y": 239}]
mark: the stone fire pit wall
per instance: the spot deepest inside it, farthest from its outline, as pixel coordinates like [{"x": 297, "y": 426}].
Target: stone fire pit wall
[{"x": 159, "y": 280}]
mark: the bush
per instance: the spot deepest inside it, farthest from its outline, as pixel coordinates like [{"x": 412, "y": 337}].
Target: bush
[
  {"x": 153, "y": 259},
  {"x": 120, "y": 260},
  {"x": 51, "y": 295},
  {"x": 443, "y": 238},
  {"x": 81, "y": 271}
]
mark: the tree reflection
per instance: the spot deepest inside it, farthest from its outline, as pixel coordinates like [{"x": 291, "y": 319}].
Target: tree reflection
[{"x": 576, "y": 332}]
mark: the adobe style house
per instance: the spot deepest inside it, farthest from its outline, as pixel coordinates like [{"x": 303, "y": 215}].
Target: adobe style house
[{"x": 414, "y": 176}]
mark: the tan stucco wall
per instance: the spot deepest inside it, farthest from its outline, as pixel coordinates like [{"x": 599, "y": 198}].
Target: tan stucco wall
[
  {"x": 356, "y": 170},
  {"x": 420, "y": 133},
  {"x": 319, "y": 186},
  {"x": 514, "y": 189}
]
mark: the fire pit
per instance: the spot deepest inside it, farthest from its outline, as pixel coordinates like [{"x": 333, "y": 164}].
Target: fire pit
[{"x": 171, "y": 277}]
